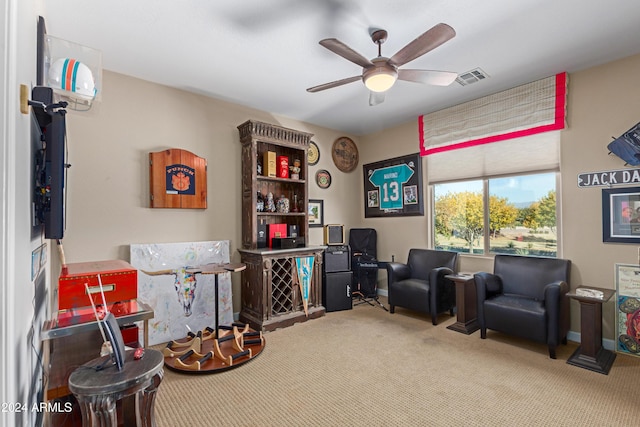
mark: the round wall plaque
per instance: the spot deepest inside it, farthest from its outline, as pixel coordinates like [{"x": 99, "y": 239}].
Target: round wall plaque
[
  {"x": 345, "y": 154},
  {"x": 323, "y": 178},
  {"x": 313, "y": 154}
]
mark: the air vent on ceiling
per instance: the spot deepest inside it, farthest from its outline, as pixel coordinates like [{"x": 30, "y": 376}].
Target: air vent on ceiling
[{"x": 472, "y": 76}]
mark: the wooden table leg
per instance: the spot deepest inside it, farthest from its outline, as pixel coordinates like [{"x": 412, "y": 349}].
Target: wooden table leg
[
  {"x": 146, "y": 333},
  {"x": 98, "y": 411},
  {"x": 145, "y": 402}
]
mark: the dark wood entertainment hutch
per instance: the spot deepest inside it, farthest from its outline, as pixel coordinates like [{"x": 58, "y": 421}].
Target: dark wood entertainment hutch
[{"x": 271, "y": 297}]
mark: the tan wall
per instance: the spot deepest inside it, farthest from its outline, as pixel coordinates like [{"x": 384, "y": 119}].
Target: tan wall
[
  {"x": 108, "y": 182},
  {"x": 603, "y": 101}
]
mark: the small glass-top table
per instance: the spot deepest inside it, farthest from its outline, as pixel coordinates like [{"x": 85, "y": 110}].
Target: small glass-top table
[
  {"x": 466, "y": 303},
  {"x": 590, "y": 354}
]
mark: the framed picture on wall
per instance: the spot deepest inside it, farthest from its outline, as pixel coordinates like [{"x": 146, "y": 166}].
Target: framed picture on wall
[
  {"x": 316, "y": 213},
  {"x": 393, "y": 187},
  {"x": 621, "y": 215}
]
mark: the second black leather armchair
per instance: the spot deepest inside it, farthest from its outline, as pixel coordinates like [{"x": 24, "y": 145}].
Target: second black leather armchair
[
  {"x": 420, "y": 284},
  {"x": 526, "y": 297}
]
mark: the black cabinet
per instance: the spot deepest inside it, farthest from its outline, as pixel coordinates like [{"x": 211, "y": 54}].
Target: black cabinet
[{"x": 336, "y": 292}]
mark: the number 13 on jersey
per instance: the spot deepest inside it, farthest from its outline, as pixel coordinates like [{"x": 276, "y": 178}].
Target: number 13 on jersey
[{"x": 389, "y": 181}]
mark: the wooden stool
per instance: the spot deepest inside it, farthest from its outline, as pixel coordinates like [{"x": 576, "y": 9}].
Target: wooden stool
[{"x": 98, "y": 391}]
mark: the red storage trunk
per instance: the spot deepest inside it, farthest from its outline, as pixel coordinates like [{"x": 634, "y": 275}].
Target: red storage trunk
[{"x": 119, "y": 282}]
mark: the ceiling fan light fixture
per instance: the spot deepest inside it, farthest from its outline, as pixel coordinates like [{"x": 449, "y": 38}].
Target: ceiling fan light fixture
[
  {"x": 380, "y": 74},
  {"x": 381, "y": 77},
  {"x": 380, "y": 82}
]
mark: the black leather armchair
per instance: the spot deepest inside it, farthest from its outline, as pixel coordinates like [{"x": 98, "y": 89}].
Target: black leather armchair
[
  {"x": 526, "y": 297},
  {"x": 420, "y": 284}
]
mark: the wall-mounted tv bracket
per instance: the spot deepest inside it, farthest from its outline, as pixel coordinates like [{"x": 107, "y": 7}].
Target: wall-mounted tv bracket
[{"x": 44, "y": 112}]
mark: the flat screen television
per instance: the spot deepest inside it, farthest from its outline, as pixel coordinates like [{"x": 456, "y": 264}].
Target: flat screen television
[
  {"x": 55, "y": 168},
  {"x": 37, "y": 175},
  {"x": 50, "y": 164}
]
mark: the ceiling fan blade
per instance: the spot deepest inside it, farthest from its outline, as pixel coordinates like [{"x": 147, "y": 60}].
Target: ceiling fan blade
[
  {"x": 334, "y": 84},
  {"x": 376, "y": 98},
  {"x": 429, "y": 40},
  {"x": 339, "y": 48},
  {"x": 431, "y": 77}
]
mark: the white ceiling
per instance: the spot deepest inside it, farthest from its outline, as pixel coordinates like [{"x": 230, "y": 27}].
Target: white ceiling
[{"x": 264, "y": 54}]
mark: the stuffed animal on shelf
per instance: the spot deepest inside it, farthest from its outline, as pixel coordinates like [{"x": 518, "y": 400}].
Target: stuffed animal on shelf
[{"x": 295, "y": 169}]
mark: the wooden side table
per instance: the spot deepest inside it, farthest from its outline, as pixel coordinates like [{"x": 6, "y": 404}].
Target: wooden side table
[
  {"x": 590, "y": 354},
  {"x": 98, "y": 391},
  {"x": 465, "y": 304}
]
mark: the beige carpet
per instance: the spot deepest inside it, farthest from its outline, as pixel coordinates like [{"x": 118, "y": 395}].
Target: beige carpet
[{"x": 367, "y": 367}]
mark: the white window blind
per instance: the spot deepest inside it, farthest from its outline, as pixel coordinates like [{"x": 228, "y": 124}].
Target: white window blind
[
  {"x": 526, "y": 154},
  {"x": 514, "y": 113}
]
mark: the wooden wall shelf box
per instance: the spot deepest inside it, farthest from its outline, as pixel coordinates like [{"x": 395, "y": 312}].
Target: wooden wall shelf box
[{"x": 177, "y": 179}]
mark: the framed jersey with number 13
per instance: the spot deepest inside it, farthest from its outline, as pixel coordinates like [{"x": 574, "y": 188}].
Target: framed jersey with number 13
[{"x": 393, "y": 187}]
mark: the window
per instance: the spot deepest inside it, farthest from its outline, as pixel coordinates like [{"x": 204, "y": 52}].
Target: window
[{"x": 508, "y": 215}]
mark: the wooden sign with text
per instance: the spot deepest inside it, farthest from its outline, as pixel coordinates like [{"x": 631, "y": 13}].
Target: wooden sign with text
[{"x": 609, "y": 178}]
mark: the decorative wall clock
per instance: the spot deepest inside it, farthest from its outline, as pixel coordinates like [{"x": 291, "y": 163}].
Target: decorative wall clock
[
  {"x": 345, "y": 154},
  {"x": 313, "y": 154},
  {"x": 323, "y": 178}
]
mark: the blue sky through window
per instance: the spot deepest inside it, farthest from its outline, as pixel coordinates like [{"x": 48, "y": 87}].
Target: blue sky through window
[
  {"x": 517, "y": 189},
  {"x": 523, "y": 189}
]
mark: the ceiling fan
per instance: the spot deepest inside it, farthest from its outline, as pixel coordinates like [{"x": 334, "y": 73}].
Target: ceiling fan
[{"x": 380, "y": 73}]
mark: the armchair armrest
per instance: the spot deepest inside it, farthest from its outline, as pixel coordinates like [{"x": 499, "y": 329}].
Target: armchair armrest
[
  {"x": 487, "y": 285},
  {"x": 441, "y": 290},
  {"x": 557, "y": 309},
  {"x": 397, "y": 271},
  {"x": 554, "y": 290},
  {"x": 437, "y": 280}
]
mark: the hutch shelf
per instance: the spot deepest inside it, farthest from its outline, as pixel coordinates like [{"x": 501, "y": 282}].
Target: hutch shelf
[{"x": 271, "y": 296}]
